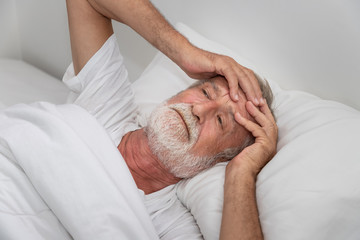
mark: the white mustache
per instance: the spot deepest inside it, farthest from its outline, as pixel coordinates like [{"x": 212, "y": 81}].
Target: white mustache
[{"x": 185, "y": 110}]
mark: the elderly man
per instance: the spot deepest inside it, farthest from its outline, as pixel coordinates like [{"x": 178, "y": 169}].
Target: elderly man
[
  {"x": 74, "y": 171},
  {"x": 205, "y": 124},
  {"x": 190, "y": 132},
  {"x": 62, "y": 173}
]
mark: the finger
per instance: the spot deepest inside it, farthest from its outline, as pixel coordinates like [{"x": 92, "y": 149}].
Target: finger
[
  {"x": 264, "y": 108},
  {"x": 257, "y": 94},
  {"x": 255, "y": 129},
  {"x": 235, "y": 76},
  {"x": 245, "y": 82},
  {"x": 239, "y": 76},
  {"x": 232, "y": 80},
  {"x": 249, "y": 84},
  {"x": 259, "y": 116},
  {"x": 270, "y": 128}
]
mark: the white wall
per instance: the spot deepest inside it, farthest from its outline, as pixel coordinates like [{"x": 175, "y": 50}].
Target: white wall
[
  {"x": 9, "y": 30},
  {"x": 44, "y": 39},
  {"x": 137, "y": 52},
  {"x": 44, "y": 34},
  {"x": 306, "y": 45}
]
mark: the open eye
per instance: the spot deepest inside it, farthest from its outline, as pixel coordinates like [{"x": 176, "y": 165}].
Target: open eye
[{"x": 205, "y": 93}]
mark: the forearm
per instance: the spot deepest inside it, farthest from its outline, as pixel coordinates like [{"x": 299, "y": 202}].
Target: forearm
[
  {"x": 240, "y": 214},
  {"x": 146, "y": 20}
]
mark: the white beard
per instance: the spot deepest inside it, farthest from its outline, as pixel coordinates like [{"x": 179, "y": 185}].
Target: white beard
[{"x": 170, "y": 141}]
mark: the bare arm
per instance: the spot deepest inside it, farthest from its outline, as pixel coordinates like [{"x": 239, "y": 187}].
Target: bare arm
[
  {"x": 145, "y": 19},
  {"x": 88, "y": 31},
  {"x": 240, "y": 214}
]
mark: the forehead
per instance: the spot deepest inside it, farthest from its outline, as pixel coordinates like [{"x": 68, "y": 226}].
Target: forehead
[
  {"x": 220, "y": 85},
  {"x": 217, "y": 82}
]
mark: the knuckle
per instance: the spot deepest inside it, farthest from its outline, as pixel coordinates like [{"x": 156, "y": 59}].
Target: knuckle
[
  {"x": 250, "y": 71},
  {"x": 242, "y": 74}
]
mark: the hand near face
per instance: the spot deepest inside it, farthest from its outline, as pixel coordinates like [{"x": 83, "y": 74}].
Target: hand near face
[
  {"x": 200, "y": 64},
  {"x": 253, "y": 158},
  {"x": 240, "y": 212}
]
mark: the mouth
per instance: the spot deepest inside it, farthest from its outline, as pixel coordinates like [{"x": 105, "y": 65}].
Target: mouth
[{"x": 184, "y": 122}]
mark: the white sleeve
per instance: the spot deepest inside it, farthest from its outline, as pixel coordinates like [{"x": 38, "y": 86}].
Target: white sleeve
[
  {"x": 103, "y": 89},
  {"x": 172, "y": 220}
]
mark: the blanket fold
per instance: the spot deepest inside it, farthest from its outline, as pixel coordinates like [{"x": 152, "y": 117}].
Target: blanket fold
[{"x": 60, "y": 168}]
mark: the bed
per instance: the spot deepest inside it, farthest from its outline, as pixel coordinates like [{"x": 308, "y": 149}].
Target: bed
[{"x": 310, "y": 190}]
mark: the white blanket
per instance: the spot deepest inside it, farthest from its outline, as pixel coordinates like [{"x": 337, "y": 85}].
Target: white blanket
[{"x": 58, "y": 180}]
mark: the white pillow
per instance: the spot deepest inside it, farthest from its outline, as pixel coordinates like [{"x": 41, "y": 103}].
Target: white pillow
[
  {"x": 310, "y": 190},
  {"x": 21, "y": 82}
]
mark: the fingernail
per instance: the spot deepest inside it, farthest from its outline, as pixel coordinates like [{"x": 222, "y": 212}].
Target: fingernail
[
  {"x": 238, "y": 116},
  {"x": 236, "y": 96},
  {"x": 256, "y": 102},
  {"x": 262, "y": 100}
]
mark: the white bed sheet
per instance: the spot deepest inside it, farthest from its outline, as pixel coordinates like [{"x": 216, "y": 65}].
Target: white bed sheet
[{"x": 56, "y": 176}]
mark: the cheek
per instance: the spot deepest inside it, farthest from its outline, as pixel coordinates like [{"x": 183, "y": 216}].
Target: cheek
[
  {"x": 209, "y": 141},
  {"x": 236, "y": 139}
]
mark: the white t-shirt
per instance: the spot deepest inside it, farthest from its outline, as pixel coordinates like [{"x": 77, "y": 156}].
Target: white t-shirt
[{"x": 103, "y": 89}]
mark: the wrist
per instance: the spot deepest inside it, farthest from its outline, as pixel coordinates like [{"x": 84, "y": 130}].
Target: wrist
[
  {"x": 239, "y": 184},
  {"x": 242, "y": 169},
  {"x": 186, "y": 52}
]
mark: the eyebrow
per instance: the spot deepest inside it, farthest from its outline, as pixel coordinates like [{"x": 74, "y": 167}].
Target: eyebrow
[{"x": 215, "y": 87}]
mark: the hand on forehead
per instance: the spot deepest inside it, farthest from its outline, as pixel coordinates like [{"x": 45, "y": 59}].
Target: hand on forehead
[
  {"x": 222, "y": 82},
  {"x": 246, "y": 80},
  {"x": 222, "y": 85}
]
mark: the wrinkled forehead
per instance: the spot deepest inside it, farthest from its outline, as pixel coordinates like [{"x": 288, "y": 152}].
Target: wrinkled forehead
[
  {"x": 218, "y": 81},
  {"x": 220, "y": 84}
]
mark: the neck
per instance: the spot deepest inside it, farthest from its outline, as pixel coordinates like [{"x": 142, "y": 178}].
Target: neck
[{"x": 149, "y": 173}]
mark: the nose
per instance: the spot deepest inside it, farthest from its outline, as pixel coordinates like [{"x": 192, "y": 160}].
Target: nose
[{"x": 205, "y": 110}]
